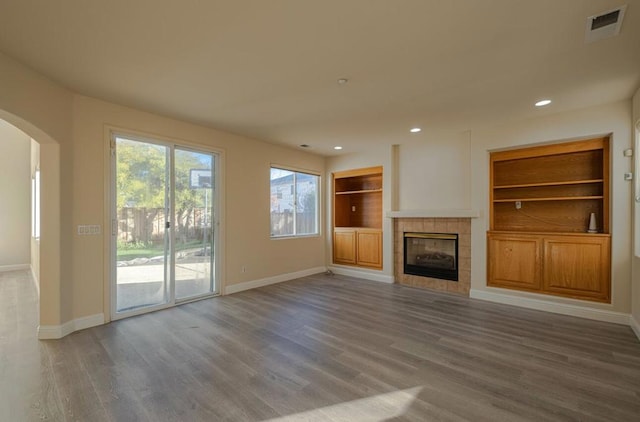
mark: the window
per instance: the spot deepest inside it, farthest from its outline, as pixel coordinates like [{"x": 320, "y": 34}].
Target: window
[
  {"x": 35, "y": 205},
  {"x": 636, "y": 192},
  {"x": 294, "y": 203}
]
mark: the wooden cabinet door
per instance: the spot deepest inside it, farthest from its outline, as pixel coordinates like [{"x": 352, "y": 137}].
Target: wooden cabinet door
[
  {"x": 514, "y": 261},
  {"x": 577, "y": 266},
  {"x": 369, "y": 247},
  {"x": 344, "y": 246}
]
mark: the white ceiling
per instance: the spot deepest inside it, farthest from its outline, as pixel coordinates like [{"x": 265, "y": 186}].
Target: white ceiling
[{"x": 269, "y": 68}]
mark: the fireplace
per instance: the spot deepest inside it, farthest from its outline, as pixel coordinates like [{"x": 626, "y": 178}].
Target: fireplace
[{"x": 431, "y": 255}]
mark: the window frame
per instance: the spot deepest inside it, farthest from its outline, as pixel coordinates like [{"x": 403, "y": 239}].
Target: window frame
[
  {"x": 296, "y": 172},
  {"x": 636, "y": 189},
  {"x": 35, "y": 205}
]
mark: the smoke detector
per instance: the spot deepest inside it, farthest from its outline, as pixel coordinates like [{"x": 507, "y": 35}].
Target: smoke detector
[{"x": 604, "y": 25}]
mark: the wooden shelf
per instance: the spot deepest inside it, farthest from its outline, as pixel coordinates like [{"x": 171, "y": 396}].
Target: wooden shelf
[
  {"x": 357, "y": 217},
  {"x": 562, "y": 185},
  {"x": 558, "y": 198},
  {"x": 512, "y": 233},
  {"x": 351, "y": 192},
  {"x": 535, "y": 185},
  {"x": 545, "y": 247}
]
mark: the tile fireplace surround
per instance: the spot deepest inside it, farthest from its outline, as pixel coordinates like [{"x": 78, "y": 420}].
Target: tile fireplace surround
[{"x": 460, "y": 226}]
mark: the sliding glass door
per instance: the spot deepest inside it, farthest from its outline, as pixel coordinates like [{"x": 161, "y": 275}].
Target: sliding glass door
[
  {"x": 193, "y": 222},
  {"x": 163, "y": 225}
]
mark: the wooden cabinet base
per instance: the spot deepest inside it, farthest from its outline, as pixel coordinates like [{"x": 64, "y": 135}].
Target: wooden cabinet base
[
  {"x": 577, "y": 267},
  {"x": 344, "y": 247},
  {"x": 569, "y": 265},
  {"x": 361, "y": 247},
  {"x": 514, "y": 261}
]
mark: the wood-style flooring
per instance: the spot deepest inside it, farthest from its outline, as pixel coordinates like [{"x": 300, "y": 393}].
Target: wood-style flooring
[{"x": 320, "y": 348}]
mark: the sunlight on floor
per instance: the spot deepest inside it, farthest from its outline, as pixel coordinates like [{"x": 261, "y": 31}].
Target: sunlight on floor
[{"x": 371, "y": 409}]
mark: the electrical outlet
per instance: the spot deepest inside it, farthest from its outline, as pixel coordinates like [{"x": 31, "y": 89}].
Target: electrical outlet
[
  {"x": 518, "y": 205},
  {"x": 628, "y": 176},
  {"x": 628, "y": 152}
]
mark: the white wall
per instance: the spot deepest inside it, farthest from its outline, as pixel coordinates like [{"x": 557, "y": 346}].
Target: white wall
[
  {"x": 434, "y": 172},
  {"x": 587, "y": 123},
  {"x": 15, "y": 197}
]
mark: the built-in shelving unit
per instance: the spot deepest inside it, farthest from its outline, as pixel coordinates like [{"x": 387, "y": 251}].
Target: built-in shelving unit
[
  {"x": 541, "y": 202},
  {"x": 357, "y": 217}
]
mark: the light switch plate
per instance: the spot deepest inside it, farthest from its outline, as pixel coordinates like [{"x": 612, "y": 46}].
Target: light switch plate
[
  {"x": 89, "y": 229},
  {"x": 628, "y": 152}
]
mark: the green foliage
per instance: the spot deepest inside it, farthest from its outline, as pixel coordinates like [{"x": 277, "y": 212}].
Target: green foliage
[
  {"x": 142, "y": 181},
  {"x": 142, "y": 176},
  {"x": 133, "y": 245}
]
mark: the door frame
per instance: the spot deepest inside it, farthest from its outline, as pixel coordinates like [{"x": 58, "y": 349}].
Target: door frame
[{"x": 109, "y": 244}]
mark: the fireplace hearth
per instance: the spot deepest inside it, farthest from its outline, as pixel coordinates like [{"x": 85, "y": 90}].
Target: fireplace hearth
[{"x": 431, "y": 255}]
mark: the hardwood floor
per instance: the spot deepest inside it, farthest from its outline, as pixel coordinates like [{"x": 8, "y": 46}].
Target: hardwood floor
[{"x": 319, "y": 349}]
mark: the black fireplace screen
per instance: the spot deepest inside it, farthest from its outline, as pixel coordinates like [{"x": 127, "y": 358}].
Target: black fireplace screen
[{"x": 431, "y": 255}]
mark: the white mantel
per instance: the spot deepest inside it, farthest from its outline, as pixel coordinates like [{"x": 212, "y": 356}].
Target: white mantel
[{"x": 435, "y": 213}]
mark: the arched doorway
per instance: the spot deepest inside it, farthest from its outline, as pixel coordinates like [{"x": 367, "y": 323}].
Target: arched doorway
[{"x": 49, "y": 257}]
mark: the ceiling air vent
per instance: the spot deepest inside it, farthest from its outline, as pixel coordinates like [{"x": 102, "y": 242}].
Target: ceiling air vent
[{"x": 604, "y": 25}]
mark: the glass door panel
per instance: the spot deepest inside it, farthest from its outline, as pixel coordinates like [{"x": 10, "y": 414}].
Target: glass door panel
[
  {"x": 142, "y": 233},
  {"x": 194, "y": 223}
]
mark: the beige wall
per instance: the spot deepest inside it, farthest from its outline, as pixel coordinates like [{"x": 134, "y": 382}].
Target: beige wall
[
  {"x": 71, "y": 132},
  {"x": 245, "y": 202},
  {"x": 72, "y": 135},
  {"x": 635, "y": 275},
  {"x": 42, "y": 106},
  {"x": 608, "y": 119},
  {"x": 15, "y": 196}
]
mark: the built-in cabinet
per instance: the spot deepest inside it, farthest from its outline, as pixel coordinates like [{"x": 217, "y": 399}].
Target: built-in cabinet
[
  {"x": 542, "y": 200},
  {"x": 357, "y": 217}
]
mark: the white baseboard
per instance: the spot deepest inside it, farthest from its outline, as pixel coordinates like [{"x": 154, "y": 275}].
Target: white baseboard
[
  {"x": 49, "y": 332},
  {"x": 383, "y": 278},
  {"x": 247, "y": 285},
  {"x": 635, "y": 326},
  {"x": 16, "y": 267},
  {"x": 556, "y": 308}
]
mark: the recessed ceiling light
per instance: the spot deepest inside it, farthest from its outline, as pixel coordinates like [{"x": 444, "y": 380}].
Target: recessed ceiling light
[
  {"x": 342, "y": 81},
  {"x": 543, "y": 103},
  {"x": 337, "y": 147},
  {"x": 415, "y": 130}
]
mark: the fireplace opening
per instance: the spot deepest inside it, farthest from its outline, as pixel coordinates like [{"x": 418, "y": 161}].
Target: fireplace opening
[{"x": 431, "y": 255}]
